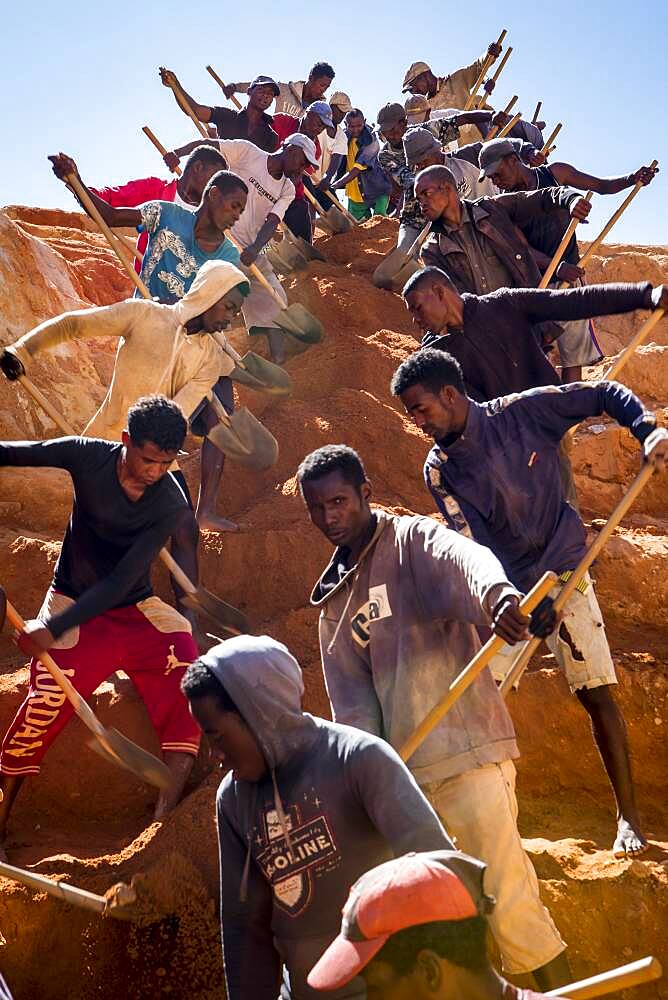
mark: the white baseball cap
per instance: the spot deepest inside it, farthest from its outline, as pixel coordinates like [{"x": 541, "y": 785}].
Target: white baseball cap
[{"x": 305, "y": 144}]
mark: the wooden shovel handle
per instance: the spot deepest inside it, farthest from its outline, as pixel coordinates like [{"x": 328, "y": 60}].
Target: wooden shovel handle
[
  {"x": 510, "y": 125},
  {"x": 62, "y": 890},
  {"x": 421, "y": 238},
  {"x": 176, "y": 571},
  {"x": 558, "y": 253},
  {"x": 106, "y": 231},
  {"x": 497, "y": 74},
  {"x": 314, "y": 201},
  {"x": 595, "y": 244},
  {"x": 159, "y": 146},
  {"x": 641, "y": 335},
  {"x": 622, "y": 978},
  {"x": 82, "y": 708},
  {"x": 472, "y": 670},
  {"x": 487, "y": 62},
  {"x": 546, "y": 148},
  {"x": 560, "y": 601},
  {"x": 341, "y": 208},
  {"x": 185, "y": 106},
  {"x": 536, "y": 113},
  {"x": 493, "y": 131},
  {"x": 220, "y": 83},
  {"x": 257, "y": 273}
]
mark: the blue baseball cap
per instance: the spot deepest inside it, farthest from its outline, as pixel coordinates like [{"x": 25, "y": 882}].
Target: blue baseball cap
[{"x": 323, "y": 111}]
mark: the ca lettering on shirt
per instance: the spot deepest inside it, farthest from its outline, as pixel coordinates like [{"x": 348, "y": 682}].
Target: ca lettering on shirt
[{"x": 377, "y": 607}]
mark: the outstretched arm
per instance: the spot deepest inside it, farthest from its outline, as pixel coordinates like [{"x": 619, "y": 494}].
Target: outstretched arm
[
  {"x": 64, "y": 165},
  {"x": 539, "y": 304},
  {"x": 565, "y": 173},
  {"x": 202, "y": 112}
]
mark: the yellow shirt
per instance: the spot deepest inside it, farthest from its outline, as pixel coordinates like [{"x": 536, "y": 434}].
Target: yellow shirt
[{"x": 353, "y": 189}]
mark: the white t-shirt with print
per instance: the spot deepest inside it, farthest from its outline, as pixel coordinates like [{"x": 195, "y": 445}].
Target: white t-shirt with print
[{"x": 265, "y": 193}]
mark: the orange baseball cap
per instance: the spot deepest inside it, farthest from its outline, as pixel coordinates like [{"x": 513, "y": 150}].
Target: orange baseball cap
[{"x": 414, "y": 889}]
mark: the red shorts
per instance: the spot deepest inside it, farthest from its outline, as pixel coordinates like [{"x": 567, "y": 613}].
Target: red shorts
[{"x": 150, "y": 641}]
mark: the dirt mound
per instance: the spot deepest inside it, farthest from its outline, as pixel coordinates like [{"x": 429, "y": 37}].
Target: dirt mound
[{"x": 90, "y": 823}]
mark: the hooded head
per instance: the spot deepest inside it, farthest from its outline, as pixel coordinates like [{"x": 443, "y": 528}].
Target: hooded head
[
  {"x": 213, "y": 299},
  {"x": 262, "y": 682}
]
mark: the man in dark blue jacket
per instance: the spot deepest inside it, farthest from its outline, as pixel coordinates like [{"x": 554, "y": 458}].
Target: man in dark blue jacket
[{"x": 494, "y": 473}]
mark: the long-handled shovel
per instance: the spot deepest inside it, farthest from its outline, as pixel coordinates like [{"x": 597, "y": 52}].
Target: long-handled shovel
[
  {"x": 333, "y": 219},
  {"x": 257, "y": 372},
  {"x": 487, "y": 62},
  {"x": 225, "y": 616},
  {"x": 112, "y": 744},
  {"x": 546, "y": 148},
  {"x": 509, "y": 126},
  {"x": 645, "y": 970},
  {"x": 295, "y": 319},
  {"x": 536, "y": 113},
  {"x": 220, "y": 83},
  {"x": 595, "y": 244},
  {"x": 558, "y": 253},
  {"x": 472, "y": 671},
  {"x": 340, "y": 208},
  {"x": 292, "y": 252},
  {"x": 506, "y": 56},
  {"x": 397, "y": 267},
  {"x": 506, "y": 111},
  {"x": 159, "y": 146},
  {"x": 185, "y": 107},
  {"x": 570, "y": 586},
  {"x": 641, "y": 335},
  {"x": 117, "y": 904}
]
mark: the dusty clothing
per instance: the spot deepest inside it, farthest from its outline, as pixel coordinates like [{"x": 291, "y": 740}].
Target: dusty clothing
[
  {"x": 335, "y": 803},
  {"x": 479, "y": 808},
  {"x": 501, "y": 476},
  {"x": 110, "y": 541},
  {"x": 586, "y": 659},
  {"x": 154, "y": 355},
  {"x": 497, "y": 225},
  {"x": 452, "y": 91},
  {"x": 398, "y": 627},
  {"x": 499, "y": 345},
  {"x": 150, "y": 641}
]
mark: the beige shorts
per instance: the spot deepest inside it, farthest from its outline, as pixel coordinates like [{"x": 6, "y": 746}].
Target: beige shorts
[
  {"x": 479, "y": 811},
  {"x": 585, "y": 659},
  {"x": 577, "y": 344}
]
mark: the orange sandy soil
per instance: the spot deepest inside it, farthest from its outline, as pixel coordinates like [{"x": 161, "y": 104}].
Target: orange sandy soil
[{"x": 90, "y": 824}]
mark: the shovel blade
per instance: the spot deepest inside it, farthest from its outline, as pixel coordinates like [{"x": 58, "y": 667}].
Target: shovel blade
[
  {"x": 226, "y": 617},
  {"x": 263, "y": 375},
  {"x": 307, "y": 250},
  {"x": 119, "y": 750},
  {"x": 285, "y": 257},
  {"x": 246, "y": 441},
  {"x": 300, "y": 323},
  {"x": 386, "y": 274},
  {"x": 337, "y": 221}
]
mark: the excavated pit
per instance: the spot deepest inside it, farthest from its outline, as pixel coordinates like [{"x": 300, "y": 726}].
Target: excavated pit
[{"x": 89, "y": 823}]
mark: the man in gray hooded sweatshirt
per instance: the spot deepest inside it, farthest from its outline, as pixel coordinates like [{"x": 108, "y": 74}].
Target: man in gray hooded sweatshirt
[
  {"x": 306, "y": 807},
  {"x": 399, "y": 603}
]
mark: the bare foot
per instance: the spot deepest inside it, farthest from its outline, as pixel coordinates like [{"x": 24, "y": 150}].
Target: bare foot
[
  {"x": 629, "y": 841},
  {"x": 211, "y": 522}
]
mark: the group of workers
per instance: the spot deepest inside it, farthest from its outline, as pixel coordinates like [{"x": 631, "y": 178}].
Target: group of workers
[{"x": 311, "y": 810}]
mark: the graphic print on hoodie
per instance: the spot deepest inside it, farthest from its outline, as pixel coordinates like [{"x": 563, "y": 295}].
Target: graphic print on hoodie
[{"x": 335, "y": 803}]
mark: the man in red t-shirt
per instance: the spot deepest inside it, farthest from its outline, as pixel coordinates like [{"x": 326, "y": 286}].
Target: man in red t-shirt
[
  {"x": 317, "y": 117},
  {"x": 416, "y": 928},
  {"x": 186, "y": 191}
]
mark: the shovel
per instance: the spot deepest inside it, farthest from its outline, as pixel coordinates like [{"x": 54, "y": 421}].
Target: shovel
[
  {"x": 546, "y": 148},
  {"x": 159, "y": 146},
  {"x": 294, "y": 320},
  {"x": 223, "y": 614},
  {"x": 397, "y": 267},
  {"x": 220, "y": 83},
  {"x": 506, "y": 56},
  {"x": 256, "y": 372},
  {"x": 487, "y": 62},
  {"x": 117, "y": 904},
  {"x": 570, "y": 586},
  {"x": 333, "y": 218},
  {"x": 243, "y": 438},
  {"x": 199, "y": 599},
  {"x": 472, "y": 671},
  {"x": 339, "y": 207},
  {"x": 645, "y": 970},
  {"x": 109, "y": 742},
  {"x": 558, "y": 253}
]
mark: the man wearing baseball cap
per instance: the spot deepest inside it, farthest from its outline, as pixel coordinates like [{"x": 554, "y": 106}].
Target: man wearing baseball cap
[
  {"x": 422, "y": 149},
  {"x": 448, "y": 91},
  {"x": 313, "y": 123},
  {"x": 334, "y": 146},
  {"x": 252, "y": 123},
  {"x": 295, "y": 96},
  {"x": 499, "y": 160},
  {"x": 416, "y": 928}
]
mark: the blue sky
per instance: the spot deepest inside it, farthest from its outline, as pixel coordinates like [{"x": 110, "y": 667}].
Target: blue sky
[{"x": 82, "y": 78}]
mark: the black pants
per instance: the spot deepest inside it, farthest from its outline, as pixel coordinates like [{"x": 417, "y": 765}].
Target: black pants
[{"x": 298, "y": 219}]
